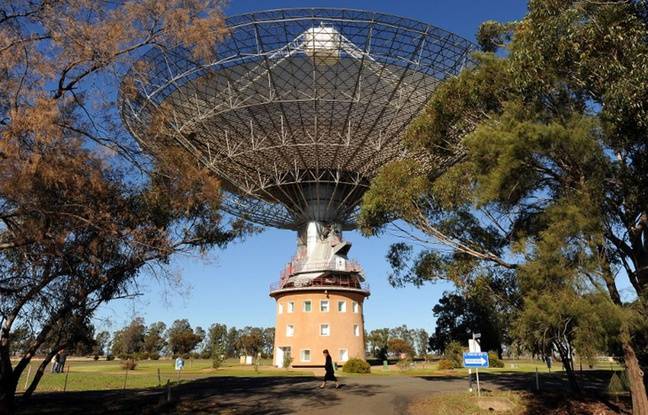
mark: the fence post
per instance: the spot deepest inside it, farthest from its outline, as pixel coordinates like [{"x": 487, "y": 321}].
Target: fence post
[
  {"x": 67, "y": 373},
  {"x": 537, "y": 380},
  {"x": 27, "y": 380},
  {"x": 125, "y": 378},
  {"x": 159, "y": 379},
  {"x": 168, "y": 387}
]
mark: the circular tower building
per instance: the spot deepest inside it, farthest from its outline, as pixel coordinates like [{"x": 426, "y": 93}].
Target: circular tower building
[{"x": 295, "y": 112}]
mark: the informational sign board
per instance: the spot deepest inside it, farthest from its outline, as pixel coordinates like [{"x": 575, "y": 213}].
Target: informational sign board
[
  {"x": 179, "y": 364},
  {"x": 473, "y": 346},
  {"x": 475, "y": 360}
]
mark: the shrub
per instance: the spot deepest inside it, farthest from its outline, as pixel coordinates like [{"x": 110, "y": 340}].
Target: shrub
[
  {"x": 454, "y": 353},
  {"x": 494, "y": 361},
  {"x": 404, "y": 364},
  {"x": 217, "y": 360},
  {"x": 445, "y": 364},
  {"x": 355, "y": 365},
  {"x": 129, "y": 364},
  {"x": 287, "y": 361},
  {"x": 110, "y": 357},
  {"x": 95, "y": 357},
  {"x": 154, "y": 356}
]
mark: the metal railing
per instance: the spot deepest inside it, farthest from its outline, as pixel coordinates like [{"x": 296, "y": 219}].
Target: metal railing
[{"x": 327, "y": 281}]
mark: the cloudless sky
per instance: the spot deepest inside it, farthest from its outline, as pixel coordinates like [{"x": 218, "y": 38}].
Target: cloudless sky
[{"x": 231, "y": 286}]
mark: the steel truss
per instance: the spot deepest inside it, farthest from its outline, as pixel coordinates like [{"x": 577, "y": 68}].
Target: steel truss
[{"x": 300, "y": 107}]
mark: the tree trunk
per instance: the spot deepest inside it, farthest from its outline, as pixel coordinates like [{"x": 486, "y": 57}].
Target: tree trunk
[
  {"x": 636, "y": 378},
  {"x": 565, "y": 356},
  {"x": 38, "y": 375},
  {"x": 7, "y": 380},
  {"x": 7, "y": 396}
]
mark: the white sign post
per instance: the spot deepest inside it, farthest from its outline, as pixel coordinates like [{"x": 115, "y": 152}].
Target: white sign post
[{"x": 474, "y": 347}]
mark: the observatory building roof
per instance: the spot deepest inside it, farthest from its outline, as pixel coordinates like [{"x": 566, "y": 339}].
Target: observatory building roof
[{"x": 299, "y": 108}]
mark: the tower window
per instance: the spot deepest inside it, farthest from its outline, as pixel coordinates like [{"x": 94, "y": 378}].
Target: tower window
[
  {"x": 356, "y": 330},
  {"x": 324, "y": 330},
  {"x": 290, "y": 330},
  {"x": 356, "y": 307},
  {"x": 308, "y": 306},
  {"x": 291, "y": 307},
  {"x": 342, "y": 306},
  {"x": 280, "y": 308},
  {"x": 324, "y": 306},
  {"x": 344, "y": 355},
  {"x": 305, "y": 355}
]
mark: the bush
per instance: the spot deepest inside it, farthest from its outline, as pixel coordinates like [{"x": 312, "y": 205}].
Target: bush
[
  {"x": 95, "y": 357},
  {"x": 287, "y": 361},
  {"x": 355, "y": 365},
  {"x": 454, "y": 353},
  {"x": 404, "y": 364},
  {"x": 494, "y": 361},
  {"x": 129, "y": 364},
  {"x": 445, "y": 364},
  {"x": 154, "y": 356},
  {"x": 217, "y": 360},
  {"x": 110, "y": 357}
]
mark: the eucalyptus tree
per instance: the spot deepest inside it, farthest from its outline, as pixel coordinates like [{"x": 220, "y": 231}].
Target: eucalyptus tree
[
  {"x": 551, "y": 177},
  {"x": 82, "y": 212}
]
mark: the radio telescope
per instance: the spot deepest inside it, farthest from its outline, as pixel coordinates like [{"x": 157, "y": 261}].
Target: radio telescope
[{"x": 295, "y": 114}]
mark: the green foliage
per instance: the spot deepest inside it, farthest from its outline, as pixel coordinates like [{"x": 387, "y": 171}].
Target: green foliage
[
  {"x": 130, "y": 340},
  {"x": 287, "y": 361},
  {"x": 618, "y": 384},
  {"x": 445, "y": 364},
  {"x": 182, "y": 339},
  {"x": 454, "y": 354},
  {"x": 128, "y": 364},
  {"x": 494, "y": 360},
  {"x": 217, "y": 360},
  {"x": 355, "y": 365},
  {"x": 549, "y": 139},
  {"x": 404, "y": 364},
  {"x": 154, "y": 340}
]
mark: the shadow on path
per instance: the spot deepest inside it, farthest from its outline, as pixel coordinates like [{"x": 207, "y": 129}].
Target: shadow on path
[{"x": 240, "y": 395}]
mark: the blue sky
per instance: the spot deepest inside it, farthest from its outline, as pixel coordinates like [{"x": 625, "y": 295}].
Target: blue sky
[{"x": 231, "y": 286}]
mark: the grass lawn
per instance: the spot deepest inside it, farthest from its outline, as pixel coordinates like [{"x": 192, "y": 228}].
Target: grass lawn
[
  {"x": 510, "y": 366},
  {"x": 468, "y": 404},
  {"x": 87, "y": 374}
]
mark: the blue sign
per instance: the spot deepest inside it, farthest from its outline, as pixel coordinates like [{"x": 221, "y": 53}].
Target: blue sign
[{"x": 475, "y": 360}]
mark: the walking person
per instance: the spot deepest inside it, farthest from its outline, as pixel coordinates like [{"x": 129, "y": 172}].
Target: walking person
[
  {"x": 330, "y": 372},
  {"x": 56, "y": 363}
]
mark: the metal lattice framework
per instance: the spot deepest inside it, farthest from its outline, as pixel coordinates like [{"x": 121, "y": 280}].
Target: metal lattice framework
[{"x": 299, "y": 109}]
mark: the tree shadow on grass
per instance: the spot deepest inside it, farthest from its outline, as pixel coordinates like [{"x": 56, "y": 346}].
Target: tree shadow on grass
[
  {"x": 554, "y": 394},
  {"x": 240, "y": 395}
]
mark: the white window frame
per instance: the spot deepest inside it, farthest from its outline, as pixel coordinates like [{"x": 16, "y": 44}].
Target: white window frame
[
  {"x": 343, "y": 303},
  {"x": 311, "y": 306},
  {"x": 301, "y": 355},
  {"x": 290, "y": 330},
  {"x": 291, "y": 306},
  {"x": 356, "y": 307},
  {"x": 346, "y": 352},
  {"x": 328, "y": 329},
  {"x": 328, "y": 306},
  {"x": 280, "y": 308},
  {"x": 356, "y": 330}
]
